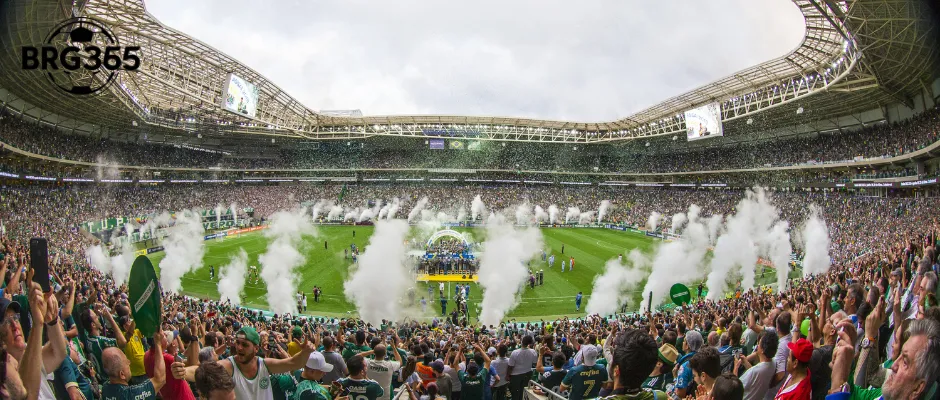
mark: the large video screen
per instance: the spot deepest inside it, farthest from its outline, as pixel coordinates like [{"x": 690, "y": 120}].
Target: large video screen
[
  {"x": 240, "y": 96},
  {"x": 703, "y": 122}
]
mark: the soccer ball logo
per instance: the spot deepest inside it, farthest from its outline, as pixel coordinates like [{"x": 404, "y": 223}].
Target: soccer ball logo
[{"x": 90, "y": 37}]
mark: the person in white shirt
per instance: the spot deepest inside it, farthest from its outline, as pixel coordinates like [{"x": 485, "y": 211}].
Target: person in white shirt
[
  {"x": 381, "y": 370},
  {"x": 520, "y": 366},
  {"x": 757, "y": 378}
]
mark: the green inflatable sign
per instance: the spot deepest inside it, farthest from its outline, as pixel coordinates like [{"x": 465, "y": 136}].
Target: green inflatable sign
[
  {"x": 680, "y": 295},
  {"x": 145, "y": 296}
]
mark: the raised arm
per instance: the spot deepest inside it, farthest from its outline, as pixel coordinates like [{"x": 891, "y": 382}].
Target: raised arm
[
  {"x": 29, "y": 367},
  {"x": 276, "y": 366},
  {"x": 56, "y": 349},
  {"x": 159, "y": 366}
]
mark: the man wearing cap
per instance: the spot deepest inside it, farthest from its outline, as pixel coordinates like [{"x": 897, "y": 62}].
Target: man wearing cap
[
  {"x": 293, "y": 345},
  {"x": 250, "y": 373},
  {"x": 662, "y": 374},
  {"x": 797, "y": 385},
  {"x": 314, "y": 370},
  {"x": 584, "y": 381}
]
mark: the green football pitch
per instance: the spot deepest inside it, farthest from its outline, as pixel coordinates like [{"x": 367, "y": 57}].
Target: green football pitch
[{"x": 328, "y": 269}]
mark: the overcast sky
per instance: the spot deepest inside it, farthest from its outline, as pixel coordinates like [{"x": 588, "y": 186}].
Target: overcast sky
[{"x": 594, "y": 60}]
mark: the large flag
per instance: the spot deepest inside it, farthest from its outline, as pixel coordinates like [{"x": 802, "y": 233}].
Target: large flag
[{"x": 342, "y": 194}]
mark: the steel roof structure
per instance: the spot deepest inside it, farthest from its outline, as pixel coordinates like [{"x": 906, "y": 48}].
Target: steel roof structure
[{"x": 857, "y": 55}]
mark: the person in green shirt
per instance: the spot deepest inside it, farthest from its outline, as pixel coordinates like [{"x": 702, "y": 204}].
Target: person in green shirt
[
  {"x": 662, "y": 374},
  {"x": 474, "y": 380},
  {"x": 358, "y": 386},
  {"x": 358, "y": 346},
  {"x": 584, "y": 381},
  {"x": 118, "y": 368},
  {"x": 314, "y": 370},
  {"x": 96, "y": 343}
]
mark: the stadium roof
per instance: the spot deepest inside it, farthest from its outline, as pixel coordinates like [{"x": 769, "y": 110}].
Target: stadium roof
[{"x": 856, "y": 56}]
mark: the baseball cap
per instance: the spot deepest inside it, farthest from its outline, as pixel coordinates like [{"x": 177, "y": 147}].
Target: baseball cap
[
  {"x": 589, "y": 353},
  {"x": 250, "y": 334},
  {"x": 802, "y": 350},
  {"x": 170, "y": 335},
  {"x": 7, "y": 304},
  {"x": 317, "y": 362},
  {"x": 491, "y": 351},
  {"x": 297, "y": 332}
]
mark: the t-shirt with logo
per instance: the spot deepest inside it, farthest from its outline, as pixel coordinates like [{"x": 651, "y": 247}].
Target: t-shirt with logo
[
  {"x": 365, "y": 389},
  {"x": 381, "y": 371},
  {"x": 311, "y": 390},
  {"x": 350, "y": 349},
  {"x": 552, "y": 379},
  {"x": 585, "y": 382},
  {"x": 285, "y": 385},
  {"x": 134, "y": 350},
  {"x": 473, "y": 386},
  {"x": 96, "y": 346},
  {"x": 141, "y": 391}
]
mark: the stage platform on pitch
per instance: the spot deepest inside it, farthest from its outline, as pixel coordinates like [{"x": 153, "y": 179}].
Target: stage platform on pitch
[{"x": 446, "y": 278}]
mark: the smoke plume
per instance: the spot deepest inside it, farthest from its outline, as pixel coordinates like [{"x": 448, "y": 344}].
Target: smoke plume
[
  {"x": 653, "y": 222},
  {"x": 815, "y": 243},
  {"x": 541, "y": 216},
  {"x": 336, "y": 212},
  {"x": 602, "y": 210},
  {"x": 477, "y": 208},
  {"x": 573, "y": 214},
  {"x": 383, "y": 275},
  {"x": 553, "y": 214},
  {"x": 612, "y": 288},
  {"x": 184, "y": 248},
  {"x": 118, "y": 266},
  {"x": 523, "y": 214},
  {"x": 232, "y": 277},
  {"x": 678, "y": 220},
  {"x": 679, "y": 260},
  {"x": 503, "y": 268},
  {"x": 286, "y": 231},
  {"x": 586, "y": 217},
  {"x": 416, "y": 211}
]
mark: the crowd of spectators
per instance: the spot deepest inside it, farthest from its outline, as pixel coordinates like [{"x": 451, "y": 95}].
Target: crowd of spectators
[
  {"x": 867, "y": 328},
  {"x": 637, "y": 156}
]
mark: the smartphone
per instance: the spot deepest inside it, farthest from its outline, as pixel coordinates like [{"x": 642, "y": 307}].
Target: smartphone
[{"x": 39, "y": 262}]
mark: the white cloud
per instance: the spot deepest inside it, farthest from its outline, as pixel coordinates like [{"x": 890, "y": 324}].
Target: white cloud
[{"x": 554, "y": 59}]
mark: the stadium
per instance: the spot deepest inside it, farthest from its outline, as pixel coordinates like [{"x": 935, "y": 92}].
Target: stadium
[{"x": 181, "y": 194}]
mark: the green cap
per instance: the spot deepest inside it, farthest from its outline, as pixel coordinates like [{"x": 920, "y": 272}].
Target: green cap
[
  {"x": 298, "y": 333},
  {"x": 250, "y": 334},
  {"x": 804, "y": 328}
]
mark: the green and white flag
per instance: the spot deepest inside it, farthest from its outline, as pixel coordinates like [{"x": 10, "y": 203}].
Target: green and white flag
[{"x": 145, "y": 296}]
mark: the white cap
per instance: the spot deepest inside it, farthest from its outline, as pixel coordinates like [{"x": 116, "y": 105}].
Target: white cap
[
  {"x": 589, "y": 353},
  {"x": 317, "y": 362}
]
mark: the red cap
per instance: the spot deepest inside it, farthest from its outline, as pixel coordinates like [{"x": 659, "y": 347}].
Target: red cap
[{"x": 801, "y": 350}]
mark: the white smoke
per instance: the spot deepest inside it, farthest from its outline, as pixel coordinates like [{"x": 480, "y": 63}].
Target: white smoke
[
  {"x": 366, "y": 215},
  {"x": 586, "y": 217},
  {"x": 678, "y": 220},
  {"x": 752, "y": 232},
  {"x": 815, "y": 243},
  {"x": 319, "y": 207},
  {"x": 234, "y": 208},
  {"x": 118, "y": 266},
  {"x": 541, "y": 216},
  {"x": 218, "y": 215},
  {"x": 523, "y": 214},
  {"x": 612, "y": 288},
  {"x": 503, "y": 268},
  {"x": 572, "y": 214},
  {"x": 653, "y": 222},
  {"x": 714, "y": 224},
  {"x": 184, "y": 248},
  {"x": 383, "y": 276},
  {"x": 232, "y": 277},
  {"x": 477, "y": 208},
  {"x": 462, "y": 214},
  {"x": 351, "y": 214},
  {"x": 383, "y": 212},
  {"x": 393, "y": 208},
  {"x": 679, "y": 260},
  {"x": 602, "y": 210},
  {"x": 336, "y": 212},
  {"x": 286, "y": 231},
  {"x": 416, "y": 211},
  {"x": 553, "y": 214}
]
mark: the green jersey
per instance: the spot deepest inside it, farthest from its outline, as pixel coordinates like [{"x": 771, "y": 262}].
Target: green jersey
[
  {"x": 285, "y": 385},
  {"x": 365, "y": 389},
  {"x": 641, "y": 395},
  {"x": 350, "y": 349},
  {"x": 585, "y": 382},
  {"x": 141, "y": 391},
  {"x": 95, "y": 346},
  {"x": 657, "y": 382},
  {"x": 472, "y": 387},
  {"x": 311, "y": 390}
]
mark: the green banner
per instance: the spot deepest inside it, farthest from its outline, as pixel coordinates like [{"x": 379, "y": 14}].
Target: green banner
[
  {"x": 680, "y": 295},
  {"x": 144, "y": 295}
]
